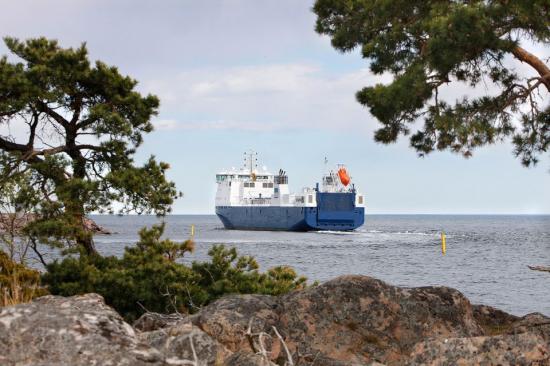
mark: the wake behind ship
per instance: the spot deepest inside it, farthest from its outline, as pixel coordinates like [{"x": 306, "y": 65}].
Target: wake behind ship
[{"x": 249, "y": 199}]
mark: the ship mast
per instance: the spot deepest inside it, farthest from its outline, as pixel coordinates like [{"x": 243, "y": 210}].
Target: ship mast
[{"x": 251, "y": 161}]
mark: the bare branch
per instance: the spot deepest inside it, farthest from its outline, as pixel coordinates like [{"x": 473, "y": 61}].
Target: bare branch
[
  {"x": 33, "y": 125},
  {"x": 43, "y": 107},
  {"x": 88, "y": 147},
  {"x": 34, "y": 247},
  {"x": 12, "y": 146},
  {"x": 527, "y": 57}
]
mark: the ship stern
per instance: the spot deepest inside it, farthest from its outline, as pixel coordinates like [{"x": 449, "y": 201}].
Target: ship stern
[{"x": 335, "y": 211}]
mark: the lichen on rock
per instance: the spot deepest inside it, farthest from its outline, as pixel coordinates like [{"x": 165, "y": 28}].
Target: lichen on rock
[{"x": 79, "y": 330}]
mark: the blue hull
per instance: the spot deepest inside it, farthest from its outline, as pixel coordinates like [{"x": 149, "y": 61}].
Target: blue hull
[{"x": 334, "y": 211}]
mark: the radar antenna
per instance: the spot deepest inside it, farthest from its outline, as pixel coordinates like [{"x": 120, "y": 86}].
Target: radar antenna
[{"x": 251, "y": 161}]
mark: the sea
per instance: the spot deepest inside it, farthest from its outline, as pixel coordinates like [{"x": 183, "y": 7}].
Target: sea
[{"x": 487, "y": 256}]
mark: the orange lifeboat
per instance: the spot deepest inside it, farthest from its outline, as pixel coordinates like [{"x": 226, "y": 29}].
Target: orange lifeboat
[{"x": 344, "y": 177}]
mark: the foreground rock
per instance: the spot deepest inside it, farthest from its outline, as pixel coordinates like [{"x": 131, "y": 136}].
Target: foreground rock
[
  {"x": 521, "y": 350},
  {"x": 152, "y": 321},
  {"x": 352, "y": 320},
  {"x": 79, "y": 330},
  {"x": 358, "y": 320}
]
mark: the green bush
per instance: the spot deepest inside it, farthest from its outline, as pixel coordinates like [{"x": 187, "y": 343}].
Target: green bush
[
  {"x": 228, "y": 273},
  {"x": 148, "y": 276}
]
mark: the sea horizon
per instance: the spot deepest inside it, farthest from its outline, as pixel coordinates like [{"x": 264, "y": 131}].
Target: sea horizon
[{"x": 366, "y": 214}]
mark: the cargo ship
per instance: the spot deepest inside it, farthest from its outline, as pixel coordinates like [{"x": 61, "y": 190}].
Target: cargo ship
[{"x": 255, "y": 199}]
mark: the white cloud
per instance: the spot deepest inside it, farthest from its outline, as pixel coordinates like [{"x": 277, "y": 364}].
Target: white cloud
[
  {"x": 165, "y": 124},
  {"x": 288, "y": 96},
  {"x": 256, "y": 79},
  {"x": 267, "y": 97},
  {"x": 171, "y": 125}
]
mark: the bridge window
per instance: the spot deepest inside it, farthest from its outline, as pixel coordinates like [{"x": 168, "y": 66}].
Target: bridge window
[{"x": 221, "y": 177}]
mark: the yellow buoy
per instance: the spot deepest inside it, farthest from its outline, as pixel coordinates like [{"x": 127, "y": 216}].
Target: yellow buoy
[
  {"x": 192, "y": 231},
  {"x": 443, "y": 243}
]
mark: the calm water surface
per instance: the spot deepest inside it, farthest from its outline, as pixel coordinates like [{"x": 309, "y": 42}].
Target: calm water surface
[{"x": 487, "y": 256}]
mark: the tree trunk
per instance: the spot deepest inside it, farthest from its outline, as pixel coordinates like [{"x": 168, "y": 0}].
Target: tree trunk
[
  {"x": 86, "y": 241},
  {"x": 543, "y": 70},
  {"x": 82, "y": 235}
]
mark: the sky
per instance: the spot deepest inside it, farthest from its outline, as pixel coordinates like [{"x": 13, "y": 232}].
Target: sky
[{"x": 237, "y": 75}]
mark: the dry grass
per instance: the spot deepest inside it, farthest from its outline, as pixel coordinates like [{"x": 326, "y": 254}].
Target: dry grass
[
  {"x": 14, "y": 293},
  {"x": 18, "y": 283}
]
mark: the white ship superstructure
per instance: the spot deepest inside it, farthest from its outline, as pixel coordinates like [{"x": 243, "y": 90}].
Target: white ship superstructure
[{"x": 251, "y": 186}]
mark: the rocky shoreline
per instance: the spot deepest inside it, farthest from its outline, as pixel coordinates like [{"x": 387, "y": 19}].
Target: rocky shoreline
[
  {"x": 351, "y": 320},
  {"x": 14, "y": 223}
]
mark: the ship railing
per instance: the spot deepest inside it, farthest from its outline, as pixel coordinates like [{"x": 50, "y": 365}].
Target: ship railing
[
  {"x": 332, "y": 189},
  {"x": 258, "y": 201}
]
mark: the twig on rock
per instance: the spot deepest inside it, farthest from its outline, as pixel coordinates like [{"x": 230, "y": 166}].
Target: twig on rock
[
  {"x": 263, "y": 352},
  {"x": 143, "y": 307},
  {"x": 260, "y": 349},
  {"x": 195, "y": 358},
  {"x": 288, "y": 355},
  {"x": 248, "y": 335},
  {"x": 173, "y": 302}
]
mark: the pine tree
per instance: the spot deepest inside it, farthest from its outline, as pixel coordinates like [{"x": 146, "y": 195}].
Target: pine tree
[
  {"x": 428, "y": 44},
  {"x": 81, "y": 124}
]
